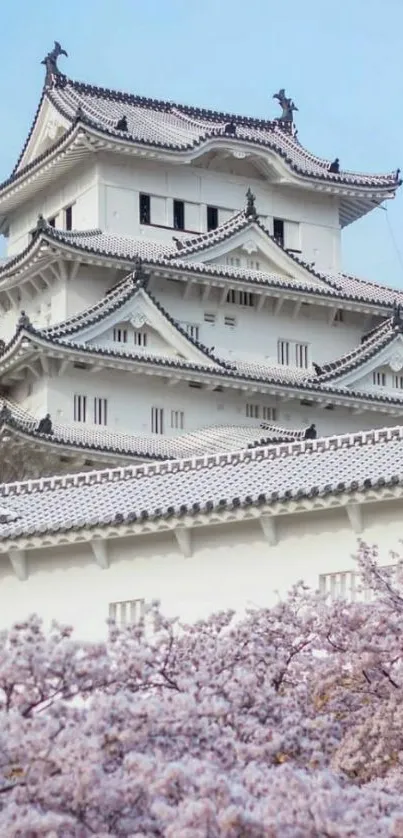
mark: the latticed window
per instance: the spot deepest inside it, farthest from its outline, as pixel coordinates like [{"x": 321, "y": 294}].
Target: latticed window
[
  {"x": 157, "y": 420},
  {"x": 301, "y": 355},
  {"x": 177, "y": 419},
  {"x": 100, "y": 411},
  {"x": 398, "y": 382},
  {"x": 283, "y": 352},
  {"x": 140, "y": 338},
  {"x": 120, "y": 335},
  {"x": 127, "y": 612},
  {"x": 80, "y": 408},
  {"x": 379, "y": 379}
]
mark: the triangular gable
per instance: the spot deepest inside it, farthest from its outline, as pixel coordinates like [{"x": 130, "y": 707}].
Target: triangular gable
[
  {"x": 242, "y": 242},
  {"x": 381, "y": 352},
  {"x": 48, "y": 127},
  {"x": 131, "y": 307}
]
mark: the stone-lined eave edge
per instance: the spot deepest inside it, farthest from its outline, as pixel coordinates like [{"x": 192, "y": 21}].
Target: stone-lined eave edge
[
  {"x": 167, "y": 266},
  {"x": 216, "y": 133},
  {"x": 229, "y": 512},
  {"x": 194, "y": 372},
  {"x": 114, "y": 141},
  {"x": 56, "y": 442}
]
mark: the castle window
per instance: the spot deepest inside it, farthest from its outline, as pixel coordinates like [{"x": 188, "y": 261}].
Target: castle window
[
  {"x": 179, "y": 215},
  {"x": 157, "y": 420},
  {"x": 233, "y": 261},
  {"x": 253, "y": 265},
  {"x": 339, "y": 316},
  {"x": 192, "y": 329},
  {"x": 100, "y": 411},
  {"x": 301, "y": 355},
  {"x": 68, "y": 217},
  {"x": 269, "y": 414},
  {"x": 128, "y": 612},
  {"x": 140, "y": 338},
  {"x": 230, "y": 321},
  {"x": 52, "y": 221},
  {"x": 212, "y": 218},
  {"x": 177, "y": 419},
  {"x": 398, "y": 382},
  {"x": 120, "y": 335},
  {"x": 261, "y": 411},
  {"x": 278, "y": 230},
  {"x": 209, "y": 318},
  {"x": 80, "y": 408},
  {"x": 231, "y": 296},
  {"x": 246, "y": 298},
  {"x": 283, "y": 352},
  {"x": 145, "y": 209},
  {"x": 379, "y": 379},
  {"x": 252, "y": 411}
]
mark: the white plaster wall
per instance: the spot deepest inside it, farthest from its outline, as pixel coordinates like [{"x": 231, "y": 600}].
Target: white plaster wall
[
  {"x": 79, "y": 187},
  {"x": 122, "y": 181},
  {"x": 257, "y": 332},
  {"x": 231, "y": 567},
  {"x": 130, "y": 398}
]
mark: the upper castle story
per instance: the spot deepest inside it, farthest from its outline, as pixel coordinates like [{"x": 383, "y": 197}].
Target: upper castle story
[{"x": 131, "y": 166}]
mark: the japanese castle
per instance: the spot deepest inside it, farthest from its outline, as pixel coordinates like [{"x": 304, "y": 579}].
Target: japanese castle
[{"x": 181, "y": 347}]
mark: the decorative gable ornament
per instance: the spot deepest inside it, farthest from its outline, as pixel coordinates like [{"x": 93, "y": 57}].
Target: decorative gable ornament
[
  {"x": 139, "y": 319},
  {"x": 396, "y": 361},
  {"x": 249, "y": 247}
]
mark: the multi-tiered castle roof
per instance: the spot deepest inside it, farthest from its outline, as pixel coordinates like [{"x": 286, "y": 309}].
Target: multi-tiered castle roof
[{"x": 155, "y": 312}]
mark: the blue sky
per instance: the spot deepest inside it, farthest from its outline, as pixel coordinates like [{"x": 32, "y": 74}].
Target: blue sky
[{"x": 341, "y": 62}]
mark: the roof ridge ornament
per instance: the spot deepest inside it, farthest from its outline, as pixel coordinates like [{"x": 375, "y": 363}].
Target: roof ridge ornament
[
  {"x": 250, "y": 210},
  {"x": 50, "y": 62},
  {"x": 397, "y": 318},
  {"x": 287, "y": 105}
]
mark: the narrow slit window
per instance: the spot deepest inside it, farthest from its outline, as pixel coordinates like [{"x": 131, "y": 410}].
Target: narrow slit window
[
  {"x": 179, "y": 215},
  {"x": 68, "y": 217},
  {"x": 145, "y": 209},
  {"x": 212, "y": 218},
  {"x": 157, "y": 420},
  {"x": 80, "y": 408},
  {"x": 278, "y": 230},
  {"x": 100, "y": 411}
]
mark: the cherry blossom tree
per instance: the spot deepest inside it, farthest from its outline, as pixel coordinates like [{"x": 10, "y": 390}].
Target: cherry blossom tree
[{"x": 287, "y": 723}]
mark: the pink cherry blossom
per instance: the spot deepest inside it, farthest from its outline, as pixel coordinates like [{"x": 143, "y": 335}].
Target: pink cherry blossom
[{"x": 287, "y": 723}]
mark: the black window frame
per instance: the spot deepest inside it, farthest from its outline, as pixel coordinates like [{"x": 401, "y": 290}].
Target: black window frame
[
  {"x": 178, "y": 214},
  {"x": 68, "y": 217},
  {"x": 144, "y": 208},
  {"x": 212, "y": 218},
  {"x": 278, "y": 230}
]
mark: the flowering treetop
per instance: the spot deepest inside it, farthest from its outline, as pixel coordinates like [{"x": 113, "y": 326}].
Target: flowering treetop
[{"x": 287, "y": 724}]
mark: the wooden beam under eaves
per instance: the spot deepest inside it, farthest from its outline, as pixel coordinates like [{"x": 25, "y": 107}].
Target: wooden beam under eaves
[
  {"x": 100, "y": 553},
  {"x": 268, "y": 525},
  {"x": 354, "y": 514},
  {"x": 19, "y": 563},
  {"x": 183, "y": 538}
]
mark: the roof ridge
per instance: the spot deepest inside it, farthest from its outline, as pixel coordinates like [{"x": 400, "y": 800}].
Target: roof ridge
[{"x": 305, "y": 447}]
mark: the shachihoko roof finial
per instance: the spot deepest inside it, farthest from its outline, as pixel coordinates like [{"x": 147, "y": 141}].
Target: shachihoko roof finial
[
  {"x": 50, "y": 62},
  {"x": 250, "y": 211},
  {"x": 287, "y": 105}
]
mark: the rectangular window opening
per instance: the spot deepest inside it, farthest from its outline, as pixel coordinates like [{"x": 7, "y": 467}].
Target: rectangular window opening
[
  {"x": 145, "y": 209},
  {"x": 80, "y": 408},
  {"x": 100, "y": 411},
  {"x": 157, "y": 420},
  {"x": 140, "y": 338},
  {"x": 212, "y": 218},
  {"x": 278, "y": 230},
  {"x": 68, "y": 218},
  {"x": 120, "y": 335},
  {"x": 127, "y": 612},
  {"x": 283, "y": 352},
  {"x": 379, "y": 379},
  {"x": 230, "y": 321},
  {"x": 177, "y": 419},
  {"x": 209, "y": 317},
  {"x": 179, "y": 215},
  {"x": 301, "y": 355}
]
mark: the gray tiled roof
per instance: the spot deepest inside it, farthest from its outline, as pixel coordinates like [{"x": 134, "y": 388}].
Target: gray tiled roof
[
  {"x": 168, "y": 254},
  {"x": 180, "y": 127},
  {"x": 265, "y": 475},
  {"x": 216, "y": 438}
]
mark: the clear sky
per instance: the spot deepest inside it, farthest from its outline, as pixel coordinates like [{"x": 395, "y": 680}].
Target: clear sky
[{"x": 342, "y": 63}]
